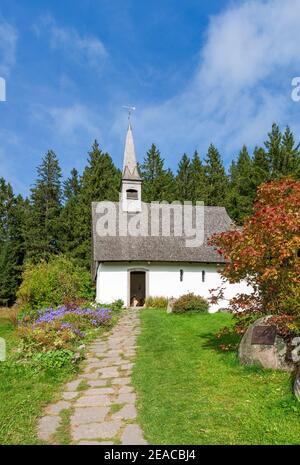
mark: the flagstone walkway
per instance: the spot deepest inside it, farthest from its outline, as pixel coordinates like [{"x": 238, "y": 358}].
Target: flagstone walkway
[{"x": 101, "y": 401}]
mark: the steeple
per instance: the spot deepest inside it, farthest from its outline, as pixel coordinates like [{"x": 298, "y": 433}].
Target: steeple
[
  {"x": 131, "y": 180},
  {"x": 130, "y": 169}
]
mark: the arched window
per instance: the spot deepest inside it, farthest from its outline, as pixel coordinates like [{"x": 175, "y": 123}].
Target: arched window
[
  {"x": 132, "y": 194},
  {"x": 181, "y": 275}
]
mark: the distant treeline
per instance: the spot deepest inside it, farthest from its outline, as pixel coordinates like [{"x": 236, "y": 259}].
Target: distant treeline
[{"x": 56, "y": 218}]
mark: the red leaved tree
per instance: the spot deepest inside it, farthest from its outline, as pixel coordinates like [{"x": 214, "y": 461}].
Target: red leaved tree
[{"x": 266, "y": 251}]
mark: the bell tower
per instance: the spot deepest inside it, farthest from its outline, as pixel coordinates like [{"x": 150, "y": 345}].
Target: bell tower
[{"x": 131, "y": 192}]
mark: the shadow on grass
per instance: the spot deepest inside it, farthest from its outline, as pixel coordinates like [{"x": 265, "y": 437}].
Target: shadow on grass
[
  {"x": 221, "y": 343},
  {"x": 228, "y": 344}
]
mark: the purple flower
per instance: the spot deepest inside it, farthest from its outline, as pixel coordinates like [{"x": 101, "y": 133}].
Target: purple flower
[{"x": 95, "y": 317}]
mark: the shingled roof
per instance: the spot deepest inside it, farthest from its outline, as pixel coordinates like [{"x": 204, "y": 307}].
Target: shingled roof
[{"x": 160, "y": 248}]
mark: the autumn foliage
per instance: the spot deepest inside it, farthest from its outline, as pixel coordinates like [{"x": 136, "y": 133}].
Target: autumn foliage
[{"x": 266, "y": 251}]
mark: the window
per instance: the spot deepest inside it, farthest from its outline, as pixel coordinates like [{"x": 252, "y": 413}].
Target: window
[
  {"x": 203, "y": 276},
  {"x": 132, "y": 194},
  {"x": 181, "y": 275}
]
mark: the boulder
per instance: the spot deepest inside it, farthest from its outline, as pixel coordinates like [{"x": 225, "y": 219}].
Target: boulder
[
  {"x": 297, "y": 385},
  {"x": 261, "y": 345},
  {"x": 170, "y": 305}
]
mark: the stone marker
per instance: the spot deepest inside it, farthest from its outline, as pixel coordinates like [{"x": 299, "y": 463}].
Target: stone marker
[
  {"x": 170, "y": 305},
  {"x": 261, "y": 345},
  {"x": 264, "y": 335}
]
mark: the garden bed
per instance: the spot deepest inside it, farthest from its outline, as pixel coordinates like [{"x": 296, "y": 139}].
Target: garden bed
[{"x": 27, "y": 386}]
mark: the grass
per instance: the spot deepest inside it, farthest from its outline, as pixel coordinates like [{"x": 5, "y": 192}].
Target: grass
[
  {"x": 116, "y": 408},
  {"x": 83, "y": 386},
  {"x": 63, "y": 434},
  {"x": 190, "y": 392}
]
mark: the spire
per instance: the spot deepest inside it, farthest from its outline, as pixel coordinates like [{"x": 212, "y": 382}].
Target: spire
[{"x": 130, "y": 169}]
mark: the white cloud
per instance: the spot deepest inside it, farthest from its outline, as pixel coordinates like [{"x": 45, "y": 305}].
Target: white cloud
[
  {"x": 9, "y": 167},
  {"x": 8, "y": 42},
  {"x": 241, "y": 85},
  {"x": 84, "y": 49},
  {"x": 72, "y": 121}
]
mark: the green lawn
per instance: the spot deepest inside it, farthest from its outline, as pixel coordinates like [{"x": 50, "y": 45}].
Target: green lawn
[
  {"x": 190, "y": 392},
  {"x": 24, "y": 392}
]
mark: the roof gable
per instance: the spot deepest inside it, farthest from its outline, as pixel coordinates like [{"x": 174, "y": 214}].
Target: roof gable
[{"x": 159, "y": 247}]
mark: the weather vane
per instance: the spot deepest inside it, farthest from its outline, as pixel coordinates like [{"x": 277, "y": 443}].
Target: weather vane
[{"x": 130, "y": 110}]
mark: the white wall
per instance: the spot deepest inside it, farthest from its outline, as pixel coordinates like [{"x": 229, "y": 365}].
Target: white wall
[{"x": 164, "y": 280}]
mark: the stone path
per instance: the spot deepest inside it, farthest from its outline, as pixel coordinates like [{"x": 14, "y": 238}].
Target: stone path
[{"x": 101, "y": 401}]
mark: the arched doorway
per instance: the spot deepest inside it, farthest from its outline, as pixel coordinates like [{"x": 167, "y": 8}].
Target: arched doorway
[{"x": 137, "y": 288}]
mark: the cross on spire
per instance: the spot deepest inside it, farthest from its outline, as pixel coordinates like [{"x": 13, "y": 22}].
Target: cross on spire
[{"x": 130, "y": 109}]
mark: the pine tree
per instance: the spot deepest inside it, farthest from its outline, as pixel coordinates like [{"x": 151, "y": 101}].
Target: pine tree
[
  {"x": 274, "y": 152},
  {"x": 11, "y": 242},
  {"x": 183, "y": 180},
  {"x": 198, "y": 180},
  {"x": 217, "y": 181},
  {"x": 100, "y": 181},
  {"x": 158, "y": 182},
  {"x": 283, "y": 153},
  {"x": 290, "y": 154},
  {"x": 42, "y": 225},
  {"x": 71, "y": 187},
  {"x": 70, "y": 214},
  {"x": 241, "y": 189},
  {"x": 260, "y": 167}
]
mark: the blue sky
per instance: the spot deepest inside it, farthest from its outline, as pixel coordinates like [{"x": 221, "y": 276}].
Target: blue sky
[{"x": 197, "y": 71}]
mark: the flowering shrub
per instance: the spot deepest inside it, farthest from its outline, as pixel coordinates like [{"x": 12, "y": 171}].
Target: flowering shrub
[
  {"x": 288, "y": 326},
  {"x": 78, "y": 317},
  {"x": 266, "y": 251},
  {"x": 62, "y": 328},
  {"x": 46, "y": 336},
  {"x": 190, "y": 303},
  {"x": 266, "y": 254}
]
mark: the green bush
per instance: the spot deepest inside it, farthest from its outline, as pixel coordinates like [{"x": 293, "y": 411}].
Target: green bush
[
  {"x": 117, "y": 305},
  {"x": 190, "y": 303},
  {"x": 52, "y": 283},
  {"x": 55, "y": 358},
  {"x": 156, "y": 302}
]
